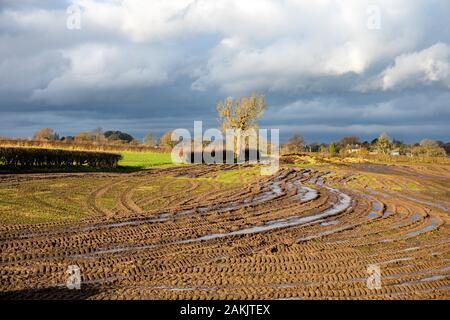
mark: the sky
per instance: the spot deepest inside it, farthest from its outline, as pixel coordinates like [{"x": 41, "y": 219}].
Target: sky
[{"x": 328, "y": 68}]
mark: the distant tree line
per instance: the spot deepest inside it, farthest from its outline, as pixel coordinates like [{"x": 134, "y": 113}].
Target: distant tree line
[
  {"x": 232, "y": 110},
  {"x": 110, "y": 137},
  {"x": 382, "y": 145}
]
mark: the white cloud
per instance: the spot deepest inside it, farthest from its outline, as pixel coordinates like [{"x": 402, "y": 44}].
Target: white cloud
[
  {"x": 177, "y": 51},
  {"x": 143, "y": 20},
  {"x": 280, "y": 66},
  {"x": 279, "y": 46},
  {"x": 429, "y": 66},
  {"x": 98, "y": 68},
  {"x": 311, "y": 41}
]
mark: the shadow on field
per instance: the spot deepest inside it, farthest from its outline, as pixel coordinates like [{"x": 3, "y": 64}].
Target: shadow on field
[{"x": 54, "y": 293}]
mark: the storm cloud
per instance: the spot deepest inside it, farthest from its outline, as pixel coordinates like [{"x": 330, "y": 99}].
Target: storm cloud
[{"x": 136, "y": 65}]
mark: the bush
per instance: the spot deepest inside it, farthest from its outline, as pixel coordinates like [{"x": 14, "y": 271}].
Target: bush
[{"x": 21, "y": 158}]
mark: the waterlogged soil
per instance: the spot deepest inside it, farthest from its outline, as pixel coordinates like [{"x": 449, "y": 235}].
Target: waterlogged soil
[{"x": 176, "y": 233}]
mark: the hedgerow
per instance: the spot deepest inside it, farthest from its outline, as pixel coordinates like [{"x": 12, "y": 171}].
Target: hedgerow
[{"x": 17, "y": 158}]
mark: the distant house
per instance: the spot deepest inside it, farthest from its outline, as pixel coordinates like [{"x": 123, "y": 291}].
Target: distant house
[
  {"x": 354, "y": 148},
  {"x": 395, "y": 153}
]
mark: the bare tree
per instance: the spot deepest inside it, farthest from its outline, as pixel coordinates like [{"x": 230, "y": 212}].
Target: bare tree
[
  {"x": 99, "y": 136},
  {"x": 166, "y": 140},
  {"x": 95, "y": 136},
  {"x": 296, "y": 143},
  {"x": 46, "y": 134},
  {"x": 428, "y": 143},
  {"x": 242, "y": 114},
  {"x": 149, "y": 139},
  {"x": 429, "y": 148},
  {"x": 85, "y": 136}
]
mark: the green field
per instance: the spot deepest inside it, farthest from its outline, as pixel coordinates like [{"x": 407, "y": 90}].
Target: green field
[
  {"x": 235, "y": 176},
  {"x": 68, "y": 197},
  {"x": 144, "y": 160}
]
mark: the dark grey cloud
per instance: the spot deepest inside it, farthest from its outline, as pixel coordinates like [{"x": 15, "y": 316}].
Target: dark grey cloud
[{"x": 140, "y": 65}]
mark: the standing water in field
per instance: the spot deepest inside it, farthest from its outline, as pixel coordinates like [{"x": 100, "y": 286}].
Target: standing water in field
[{"x": 344, "y": 202}]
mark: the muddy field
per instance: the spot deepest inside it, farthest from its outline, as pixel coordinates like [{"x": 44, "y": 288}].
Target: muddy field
[{"x": 222, "y": 232}]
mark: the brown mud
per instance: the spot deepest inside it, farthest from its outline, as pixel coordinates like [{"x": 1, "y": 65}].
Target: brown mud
[{"x": 300, "y": 234}]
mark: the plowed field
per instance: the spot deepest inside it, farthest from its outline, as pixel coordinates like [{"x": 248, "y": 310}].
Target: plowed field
[{"x": 224, "y": 232}]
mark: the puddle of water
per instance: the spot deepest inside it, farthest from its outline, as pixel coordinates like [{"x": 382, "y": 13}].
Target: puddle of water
[
  {"x": 415, "y": 217},
  {"x": 186, "y": 212},
  {"x": 343, "y": 204},
  {"x": 282, "y": 286},
  {"x": 273, "y": 192},
  {"x": 307, "y": 194},
  {"x": 324, "y": 233},
  {"x": 372, "y": 215},
  {"x": 425, "y": 272},
  {"x": 276, "y": 189},
  {"x": 124, "y": 249},
  {"x": 411, "y": 249},
  {"x": 433, "y": 278},
  {"x": 425, "y": 229},
  {"x": 376, "y": 206},
  {"x": 428, "y": 279},
  {"x": 330, "y": 223},
  {"x": 432, "y": 204}
]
